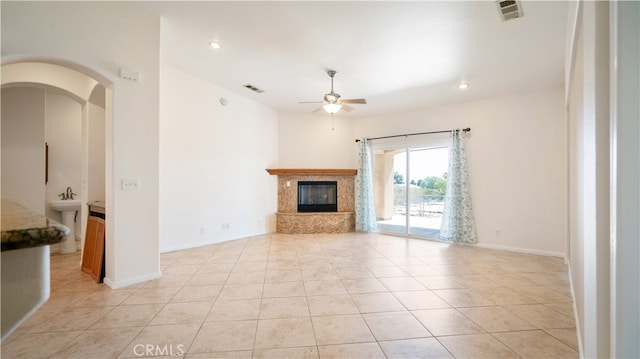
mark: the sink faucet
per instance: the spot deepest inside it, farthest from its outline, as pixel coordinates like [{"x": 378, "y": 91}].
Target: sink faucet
[{"x": 68, "y": 194}]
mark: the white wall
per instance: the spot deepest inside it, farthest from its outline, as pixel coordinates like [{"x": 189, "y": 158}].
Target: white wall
[
  {"x": 602, "y": 99},
  {"x": 516, "y": 154},
  {"x": 96, "y": 146},
  {"x": 212, "y": 163},
  {"x": 316, "y": 141},
  {"x": 589, "y": 166},
  {"x": 576, "y": 186},
  {"x": 100, "y": 38},
  {"x": 23, "y": 164},
  {"x": 625, "y": 179},
  {"x": 63, "y": 124}
]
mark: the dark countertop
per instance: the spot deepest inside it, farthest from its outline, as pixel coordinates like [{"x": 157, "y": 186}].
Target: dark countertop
[
  {"x": 98, "y": 207},
  {"x": 22, "y": 228}
]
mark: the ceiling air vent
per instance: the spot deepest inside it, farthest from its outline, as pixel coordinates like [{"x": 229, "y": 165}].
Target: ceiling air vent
[
  {"x": 253, "y": 88},
  {"x": 509, "y": 9}
]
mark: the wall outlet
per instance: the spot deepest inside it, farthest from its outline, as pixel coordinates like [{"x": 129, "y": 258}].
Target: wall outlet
[
  {"x": 131, "y": 184},
  {"x": 201, "y": 230},
  {"x": 498, "y": 232},
  {"x": 225, "y": 226}
]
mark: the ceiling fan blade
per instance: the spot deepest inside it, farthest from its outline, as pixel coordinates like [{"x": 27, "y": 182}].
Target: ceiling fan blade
[
  {"x": 356, "y": 100},
  {"x": 317, "y": 109},
  {"x": 346, "y": 108},
  {"x": 310, "y": 102}
]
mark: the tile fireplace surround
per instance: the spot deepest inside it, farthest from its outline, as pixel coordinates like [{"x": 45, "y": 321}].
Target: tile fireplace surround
[{"x": 289, "y": 220}]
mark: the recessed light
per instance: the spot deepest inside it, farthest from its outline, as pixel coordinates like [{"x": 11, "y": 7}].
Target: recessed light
[
  {"x": 215, "y": 45},
  {"x": 463, "y": 85}
]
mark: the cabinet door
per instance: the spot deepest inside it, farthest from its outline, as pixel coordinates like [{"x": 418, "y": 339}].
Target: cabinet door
[{"x": 93, "y": 254}]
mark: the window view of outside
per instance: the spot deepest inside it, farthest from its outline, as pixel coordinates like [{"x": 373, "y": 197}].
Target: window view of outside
[{"x": 425, "y": 178}]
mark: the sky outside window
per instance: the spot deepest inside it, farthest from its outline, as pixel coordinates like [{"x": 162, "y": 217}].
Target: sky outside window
[{"x": 427, "y": 162}]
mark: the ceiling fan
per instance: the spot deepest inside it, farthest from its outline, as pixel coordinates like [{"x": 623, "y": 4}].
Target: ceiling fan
[{"x": 332, "y": 102}]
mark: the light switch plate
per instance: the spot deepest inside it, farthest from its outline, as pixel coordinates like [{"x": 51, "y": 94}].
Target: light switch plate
[{"x": 131, "y": 184}]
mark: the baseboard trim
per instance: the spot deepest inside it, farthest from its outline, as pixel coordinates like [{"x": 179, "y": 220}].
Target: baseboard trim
[
  {"x": 131, "y": 281},
  {"x": 191, "y": 245},
  {"x": 520, "y": 250}
]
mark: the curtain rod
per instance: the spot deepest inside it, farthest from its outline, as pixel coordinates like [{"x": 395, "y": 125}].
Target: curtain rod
[{"x": 468, "y": 129}]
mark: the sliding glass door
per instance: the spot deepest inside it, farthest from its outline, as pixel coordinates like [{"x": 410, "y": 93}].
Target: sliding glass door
[{"x": 409, "y": 187}]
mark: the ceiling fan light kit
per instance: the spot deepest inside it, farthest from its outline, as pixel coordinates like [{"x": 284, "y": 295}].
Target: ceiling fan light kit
[{"x": 332, "y": 107}]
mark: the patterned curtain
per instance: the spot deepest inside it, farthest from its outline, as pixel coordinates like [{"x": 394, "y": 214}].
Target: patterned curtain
[
  {"x": 365, "y": 209},
  {"x": 457, "y": 219}
]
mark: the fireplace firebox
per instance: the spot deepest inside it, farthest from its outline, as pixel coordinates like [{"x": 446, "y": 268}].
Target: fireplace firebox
[{"x": 317, "y": 196}]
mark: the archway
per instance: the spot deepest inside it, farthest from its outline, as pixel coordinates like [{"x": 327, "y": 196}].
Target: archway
[{"x": 92, "y": 91}]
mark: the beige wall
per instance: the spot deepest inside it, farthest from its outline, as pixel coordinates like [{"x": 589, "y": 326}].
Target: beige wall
[
  {"x": 517, "y": 157},
  {"x": 517, "y": 161},
  {"x": 96, "y": 147},
  {"x": 213, "y": 182},
  {"x": 63, "y": 125},
  {"x": 23, "y": 113},
  {"x": 315, "y": 141}
]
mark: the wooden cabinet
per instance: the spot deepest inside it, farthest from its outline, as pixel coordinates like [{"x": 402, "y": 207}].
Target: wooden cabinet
[{"x": 93, "y": 255}]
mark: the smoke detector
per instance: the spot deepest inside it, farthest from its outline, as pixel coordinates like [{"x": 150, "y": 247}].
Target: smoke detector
[{"x": 509, "y": 9}]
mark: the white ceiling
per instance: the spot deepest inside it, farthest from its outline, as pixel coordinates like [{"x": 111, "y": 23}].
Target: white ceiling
[{"x": 397, "y": 55}]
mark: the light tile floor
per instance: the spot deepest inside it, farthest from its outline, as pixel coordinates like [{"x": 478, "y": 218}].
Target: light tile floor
[{"x": 312, "y": 296}]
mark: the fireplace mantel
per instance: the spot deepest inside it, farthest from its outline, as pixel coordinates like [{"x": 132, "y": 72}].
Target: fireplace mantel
[{"x": 311, "y": 172}]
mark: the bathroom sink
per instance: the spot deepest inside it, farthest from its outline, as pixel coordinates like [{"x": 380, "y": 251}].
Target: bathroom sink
[
  {"x": 68, "y": 209},
  {"x": 65, "y": 205}
]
